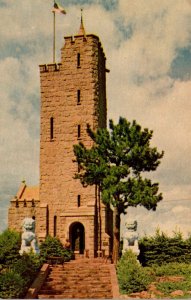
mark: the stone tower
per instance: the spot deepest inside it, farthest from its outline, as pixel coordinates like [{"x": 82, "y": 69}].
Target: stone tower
[{"x": 73, "y": 95}]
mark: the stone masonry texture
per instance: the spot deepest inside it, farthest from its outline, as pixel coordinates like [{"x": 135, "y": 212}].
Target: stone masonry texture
[{"x": 73, "y": 95}]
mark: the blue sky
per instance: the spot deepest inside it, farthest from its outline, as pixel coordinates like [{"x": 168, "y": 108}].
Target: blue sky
[{"x": 148, "y": 48}]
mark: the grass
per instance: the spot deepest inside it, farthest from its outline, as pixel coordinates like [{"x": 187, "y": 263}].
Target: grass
[
  {"x": 173, "y": 277},
  {"x": 168, "y": 287},
  {"x": 166, "y": 279}
]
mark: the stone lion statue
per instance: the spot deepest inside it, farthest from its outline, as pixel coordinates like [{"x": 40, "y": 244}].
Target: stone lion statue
[
  {"x": 29, "y": 241},
  {"x": 130, "y": 237}
]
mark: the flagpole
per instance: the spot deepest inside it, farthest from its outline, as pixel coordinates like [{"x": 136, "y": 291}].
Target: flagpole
[{"x": 54, "y": 35}]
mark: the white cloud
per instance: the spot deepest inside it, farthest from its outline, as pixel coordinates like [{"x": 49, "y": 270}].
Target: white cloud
[
  {"x": 22, "y": 20},
  {"x": 170, "y": 216},
  {"x": 181, "y": 209},
  {"x": 19, "y": 151}
]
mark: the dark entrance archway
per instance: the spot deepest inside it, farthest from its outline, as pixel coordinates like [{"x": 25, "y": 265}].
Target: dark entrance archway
[{"x": 77, "y": 237}]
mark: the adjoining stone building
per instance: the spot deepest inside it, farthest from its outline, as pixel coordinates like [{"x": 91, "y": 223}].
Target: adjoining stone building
[{"x": 73, "y": 95}]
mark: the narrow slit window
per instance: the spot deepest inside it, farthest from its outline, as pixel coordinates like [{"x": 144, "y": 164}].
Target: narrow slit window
[
  {"x": 51, "y": 128},
  {"x": 79, "y": 131},
  {"x": 78, "y": 60},
  {"x": 78, "y": 96},
  {"x": 55, "y": 225},
  {"x": 79, "y": 200}
]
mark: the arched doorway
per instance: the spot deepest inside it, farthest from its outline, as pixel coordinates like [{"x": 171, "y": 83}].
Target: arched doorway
[{"x": 77, "y": 237}]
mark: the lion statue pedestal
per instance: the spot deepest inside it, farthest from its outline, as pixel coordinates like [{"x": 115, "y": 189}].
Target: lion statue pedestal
[
  {"x": 130, "y": 238},
  {"x": 29, "y": 241}
]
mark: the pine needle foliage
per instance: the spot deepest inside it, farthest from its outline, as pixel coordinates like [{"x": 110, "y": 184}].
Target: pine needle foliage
[
  {"x": 132, "y": 277},
  {"x": 115, "y": 163},
  {"x": 9, "y": 247},
  {"x": 52, "y": 247},
  {"x": 161, "y": 248},
  {"x": 11, "y": 285},
  {"x": 16, "y": 272}
]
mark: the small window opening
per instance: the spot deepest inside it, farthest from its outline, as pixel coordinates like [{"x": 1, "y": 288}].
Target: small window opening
[
  {"x": 55, "y": 225},
  {"x": 51, "y": 128},
  {"x": 79, "y": 200},
  {"x": 25, "y": 203},
  {"x": 33, "y": 204},
  {"x": 79, "y": 131},
  {"x": 17, "y": 203},
  {"x": 78, "y": 97},
  {"x": 78, "y": 60},
  {"x": 33, "y": 217}
]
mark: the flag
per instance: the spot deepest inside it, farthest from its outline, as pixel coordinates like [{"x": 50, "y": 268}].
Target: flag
[{"x": 58, "y": 9}]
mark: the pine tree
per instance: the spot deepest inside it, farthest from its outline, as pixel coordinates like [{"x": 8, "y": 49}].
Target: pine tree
[{"x": 115, "y": 164}]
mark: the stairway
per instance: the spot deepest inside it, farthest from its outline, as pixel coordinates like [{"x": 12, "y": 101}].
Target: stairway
[{"x": 82, "y": 278}]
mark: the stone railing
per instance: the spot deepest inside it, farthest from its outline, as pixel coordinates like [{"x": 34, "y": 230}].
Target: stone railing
[{"x": 38, "y": 282}]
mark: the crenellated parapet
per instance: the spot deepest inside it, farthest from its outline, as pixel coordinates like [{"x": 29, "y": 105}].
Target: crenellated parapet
[
  {"x": 26, "y": 203},
  {"x": 50, "y": 67},
  {"x": 18, "y": 203}
]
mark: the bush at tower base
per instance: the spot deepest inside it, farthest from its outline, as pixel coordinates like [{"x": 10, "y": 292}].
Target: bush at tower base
[
  {"x": 17, "y": 272},
  {"x": 10, "y": 242},
  {"x": 132, "y": 277},
  {"x": 52, "y": 247},
  {"x": 161, "y": 248}
]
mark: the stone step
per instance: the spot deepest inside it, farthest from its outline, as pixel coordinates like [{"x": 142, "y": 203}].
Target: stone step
[
  {"x": 84, "y": 279},
  {"x": 42, "y": 296},
  {"x": 75, "y": 296},
  {"x": 79, "y": 275},
  {"x": 84, "y": 286},
  {"x": 85, "y": 271},
  {"x": 82, "y": 283},
  {"x": 85, "y": 263},
  {"x": 75, "y": 281},
  {"x": 75, "y": 290},
  {"x": 72, "y": 268}
]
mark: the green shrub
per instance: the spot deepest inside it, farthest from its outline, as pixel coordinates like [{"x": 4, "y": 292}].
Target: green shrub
[
  {"x": 172, "y": 269},
  {"x": 161, "y": 249},
  {"x": 132, "y": 276},
  {"x": 10, "y": 242},
  {"x": 27, "y": 266},
  {"x": 11, "y": 285},
  {"x": 17, "y": 271},
  {"x": 52, "y": 246}
]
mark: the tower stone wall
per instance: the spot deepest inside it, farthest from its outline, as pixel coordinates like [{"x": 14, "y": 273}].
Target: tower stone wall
[{"x": 73, "y": 96}]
